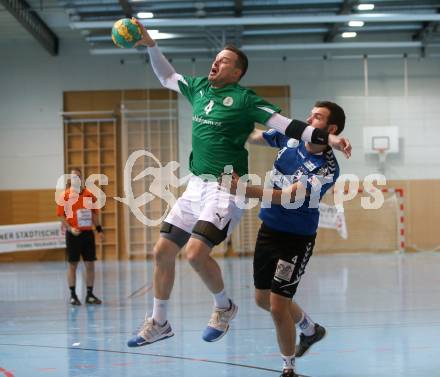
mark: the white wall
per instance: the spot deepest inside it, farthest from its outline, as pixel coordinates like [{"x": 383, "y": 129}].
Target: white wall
[{"x": 32, "y": 83}]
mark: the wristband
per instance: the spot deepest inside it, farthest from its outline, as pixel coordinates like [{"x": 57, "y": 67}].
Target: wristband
[
  {"x": 295, "y": 129},
  {"x": 319, "y": 136},
  {"x": 98, "y": 228}
]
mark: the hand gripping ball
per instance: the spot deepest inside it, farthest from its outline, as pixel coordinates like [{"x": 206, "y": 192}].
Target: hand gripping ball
[{"x": 125, "y": 33}]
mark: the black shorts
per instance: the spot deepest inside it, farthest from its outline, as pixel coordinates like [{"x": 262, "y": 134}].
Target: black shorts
[
  {"x": 81, "y": 245},
  {"x": 280, "y": 260}
]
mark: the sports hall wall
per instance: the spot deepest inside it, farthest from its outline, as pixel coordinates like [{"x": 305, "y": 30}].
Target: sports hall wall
[{"x": 32, "y": 146}]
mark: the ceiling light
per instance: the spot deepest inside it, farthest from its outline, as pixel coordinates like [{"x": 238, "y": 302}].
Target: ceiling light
[
  {"x": 155, "y": 34},
  {"x": 354, "y": 23},
  {"x": 349, "y": 34},
  {"x": 145, "y": 15},
  {"x": 365, "y": 6}
]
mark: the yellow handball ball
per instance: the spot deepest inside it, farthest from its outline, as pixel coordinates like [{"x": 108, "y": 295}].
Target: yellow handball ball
[{"x": 125, "y": 33}]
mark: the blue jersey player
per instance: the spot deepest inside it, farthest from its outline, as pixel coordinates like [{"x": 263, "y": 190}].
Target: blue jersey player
[{"x": 287, "y": 234}]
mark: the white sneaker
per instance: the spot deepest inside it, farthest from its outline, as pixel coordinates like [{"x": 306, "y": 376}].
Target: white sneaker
[
  {"x": 151, "y": 332},
  {"x": 218, "y": 325}
]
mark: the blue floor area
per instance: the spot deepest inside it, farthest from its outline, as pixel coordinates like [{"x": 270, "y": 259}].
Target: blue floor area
[{"x": 382, "y": 313}]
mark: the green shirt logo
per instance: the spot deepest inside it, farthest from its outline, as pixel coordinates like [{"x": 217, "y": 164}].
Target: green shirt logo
[{"x": 228, "y": 101}]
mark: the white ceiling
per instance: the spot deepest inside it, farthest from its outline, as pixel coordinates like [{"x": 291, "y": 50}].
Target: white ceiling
[{"x": 280, "y": 25}]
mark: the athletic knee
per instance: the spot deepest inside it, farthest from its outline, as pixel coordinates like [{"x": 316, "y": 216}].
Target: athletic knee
[
  {"x": 195, "y": 256},
  {"x": 279, "y": 314},
  {"x": 162, "y": 255},
  {"x": 279, "y": 308},
  {"x": 262, "y": 302}
]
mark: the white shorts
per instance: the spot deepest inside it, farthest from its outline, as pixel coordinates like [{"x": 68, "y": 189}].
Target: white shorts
[{"x": 205, "y": 200}]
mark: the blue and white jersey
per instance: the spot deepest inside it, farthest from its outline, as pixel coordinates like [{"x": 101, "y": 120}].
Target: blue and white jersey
[{"x": 318, "y": 172}]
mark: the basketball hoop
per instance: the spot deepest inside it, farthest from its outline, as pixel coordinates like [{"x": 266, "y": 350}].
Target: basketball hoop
[
  {"x": 381, "y": 141},
  {"x": 382, "y": 153}
]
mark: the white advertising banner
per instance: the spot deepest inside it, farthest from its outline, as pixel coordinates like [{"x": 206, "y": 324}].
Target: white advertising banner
[
  {"x": 37, "y": 236},
  {"x": 331, "y": 218}
]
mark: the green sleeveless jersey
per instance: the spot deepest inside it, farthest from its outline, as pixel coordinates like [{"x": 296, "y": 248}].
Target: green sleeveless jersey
[{"x": 222, "y": 119}]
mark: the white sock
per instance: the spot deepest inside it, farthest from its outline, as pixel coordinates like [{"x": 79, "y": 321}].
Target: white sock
[
  {"x": 288, "y": 362},
  {"x": 221, "y": 300},
  {"x": 160, "y": 311},
  {"x": 306, "y": 325}
]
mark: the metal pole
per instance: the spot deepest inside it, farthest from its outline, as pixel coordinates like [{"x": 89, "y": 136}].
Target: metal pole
[
  {"x": 366, "y": 75},
  {"x": 405, "y": 74}
]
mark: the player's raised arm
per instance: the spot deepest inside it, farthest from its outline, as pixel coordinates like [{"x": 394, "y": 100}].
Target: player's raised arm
[
  {"x": 162, "y": 68},
  {"x": 299, "y": 130}
]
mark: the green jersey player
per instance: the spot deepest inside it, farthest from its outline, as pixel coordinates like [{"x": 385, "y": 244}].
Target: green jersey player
[
  {"x": 222, "y": 120},
  {"x": 223, "y": 116}
]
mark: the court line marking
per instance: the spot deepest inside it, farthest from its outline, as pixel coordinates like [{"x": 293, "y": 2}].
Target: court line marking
[
  {"x": 142, "y": 290},
  {"x": 149, "y": 285},
  {"x": 148, "y": 354},
  {"x": 6, "y": 372}
]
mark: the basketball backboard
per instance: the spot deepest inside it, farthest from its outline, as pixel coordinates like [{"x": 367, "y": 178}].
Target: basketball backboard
[{"x": 381, "y": 140}]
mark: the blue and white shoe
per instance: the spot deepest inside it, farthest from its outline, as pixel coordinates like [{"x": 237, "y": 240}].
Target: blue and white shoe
[
  {"x": 218, "y": 325},
  {"x": 151, "y": 332}
]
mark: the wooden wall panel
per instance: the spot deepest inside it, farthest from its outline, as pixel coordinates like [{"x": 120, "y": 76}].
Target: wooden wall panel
[
  {"x": 84, "y": 136},
  {"x": 29, "y": 206},
  {"x": 6, "y": 212},
  {"x": 110, "y": 100},
  {"x": 422, "y": 214},
  {"x": 151, "y": 127},
  {"x": 368, "y": 230},
  {"x": 421, "y": 208}
]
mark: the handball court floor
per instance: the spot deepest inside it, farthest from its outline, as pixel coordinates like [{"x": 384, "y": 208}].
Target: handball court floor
[{"x": 382, "y": 313}]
